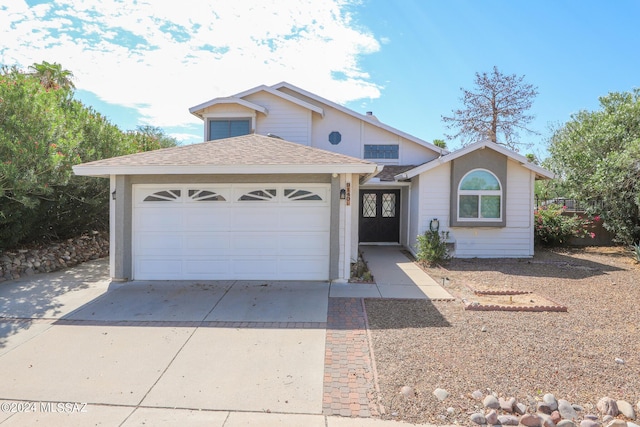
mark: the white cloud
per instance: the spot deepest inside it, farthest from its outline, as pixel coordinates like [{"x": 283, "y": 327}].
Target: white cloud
[{"x": 164, "y": 57}]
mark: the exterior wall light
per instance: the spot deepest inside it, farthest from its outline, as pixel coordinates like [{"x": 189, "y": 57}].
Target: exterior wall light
[
  {"x": 434, "y": 225},
  {"x": 113, "y": 195},
  {"x": 343, "y": 194}
]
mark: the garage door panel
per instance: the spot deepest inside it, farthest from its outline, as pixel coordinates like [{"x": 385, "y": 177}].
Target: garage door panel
[
  {"x": 207, "y": 268},
  {"x": 259, "y": 244},
  {"x": 202, "y": 219},
  {"x": 214, "y": 244},
  {"x": 304, "y": 219},
  {"x": 254, "y": 218},
  {"x": 304, "y": 244},
  {"x": 158, "y": 268},
  {"x": 255, "y": 267},
  {"x": 154, "y": 244},
  {"x": 158, "y": 219}
]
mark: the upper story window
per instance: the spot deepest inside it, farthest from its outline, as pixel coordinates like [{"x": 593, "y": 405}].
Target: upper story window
[
  {"x": 386, "y": 151},
  {"x": 480, "y": 197},
  {"x": 226, "y": 128}
]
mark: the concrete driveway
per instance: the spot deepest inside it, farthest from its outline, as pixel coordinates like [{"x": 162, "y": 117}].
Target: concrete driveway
[{"x": 130, "y": 351}]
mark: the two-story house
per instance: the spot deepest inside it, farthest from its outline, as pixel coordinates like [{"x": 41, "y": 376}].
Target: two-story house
[{"x": 289, "y": 184}]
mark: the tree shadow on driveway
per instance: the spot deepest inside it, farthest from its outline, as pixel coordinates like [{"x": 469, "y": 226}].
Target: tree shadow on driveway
[{"x": 39, "y": 299}]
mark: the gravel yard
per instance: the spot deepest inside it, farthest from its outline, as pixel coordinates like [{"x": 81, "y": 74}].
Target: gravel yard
[{"x": 428, "y": 345}]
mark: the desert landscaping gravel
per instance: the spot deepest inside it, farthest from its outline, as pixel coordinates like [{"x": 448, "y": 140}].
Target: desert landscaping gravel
[{"x": 589, "y": 352}]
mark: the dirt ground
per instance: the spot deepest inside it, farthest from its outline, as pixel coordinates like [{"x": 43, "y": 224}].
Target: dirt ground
[{"x": 588, "y": 352}]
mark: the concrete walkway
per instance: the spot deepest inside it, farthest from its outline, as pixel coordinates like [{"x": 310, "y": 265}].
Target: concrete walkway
[{"x": 395, "y": 276}]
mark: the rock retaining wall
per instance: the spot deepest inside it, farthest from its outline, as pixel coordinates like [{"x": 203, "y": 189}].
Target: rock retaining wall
[{"x": 16, "y": 263}]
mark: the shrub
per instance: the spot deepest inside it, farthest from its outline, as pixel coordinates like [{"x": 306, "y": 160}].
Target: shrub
[
  {"x": 635, "y": 250},
  {"x": 552, "y": 228},
  {"x": 432, "y": 247}
]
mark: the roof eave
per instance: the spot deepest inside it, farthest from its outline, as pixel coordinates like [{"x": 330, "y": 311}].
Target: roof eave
[{"x": 105, "y": 171}]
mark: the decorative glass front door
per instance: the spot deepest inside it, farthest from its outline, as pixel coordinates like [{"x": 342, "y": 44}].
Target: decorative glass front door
[{"x": 379, "y": 216}]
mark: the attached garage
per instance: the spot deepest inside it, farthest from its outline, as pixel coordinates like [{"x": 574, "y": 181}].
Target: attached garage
[
  {"x": 251, "y": 207},
  {"x": 239, "y": 231}
]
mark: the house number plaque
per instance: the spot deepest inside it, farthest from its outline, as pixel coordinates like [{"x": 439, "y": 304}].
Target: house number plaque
[{"x": 348, "y": 193}]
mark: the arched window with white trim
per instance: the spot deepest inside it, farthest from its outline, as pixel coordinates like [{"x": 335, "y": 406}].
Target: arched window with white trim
[{"x": 480, "y": 197}]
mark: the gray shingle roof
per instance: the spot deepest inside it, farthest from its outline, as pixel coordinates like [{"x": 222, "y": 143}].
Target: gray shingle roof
[
  {"x": 390, "y": 171},
  {"x": 244, "y": 150}
]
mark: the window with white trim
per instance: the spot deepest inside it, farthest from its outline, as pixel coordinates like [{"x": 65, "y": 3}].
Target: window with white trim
[
  {"x": 226, "y": 128},
  {"x": 479, "y": 197}
]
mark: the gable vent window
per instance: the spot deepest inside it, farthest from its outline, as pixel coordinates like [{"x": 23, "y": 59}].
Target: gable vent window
[
  {"x": 292, "y": 194},
  {"x": 220, "y": 128},
  {"x": 205, "y": 196},
  {"x": 258, "y": 195},
  {"x": 163, "y": 196},
  {"x": 386, "y": 151}
]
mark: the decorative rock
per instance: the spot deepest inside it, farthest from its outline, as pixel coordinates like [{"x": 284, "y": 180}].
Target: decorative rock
[
  {"x": 531, "y": 420},
  {"x": 520, "y": 408},
  {"x": 441, "y": 394},
  {"x": 606, "y": 419},
  {"x": 555, "y": 416},
  {"x": 491, "y": 402},
  {"x": 507, "y": 404},
  {"x": 406, "y": 391},
  {"x": 477, "y": 395},
  {"x": 630, "y": 424},
  {"x": 566, "y": 423},
  {"x": 626, "y": 409},
  {"x": 478, "y": 418},
  {"x": 491, "y": 417},
  {"x": 544, "y": 408},
  {"x": 619, "y": 361},
  {"x": 508, "y": 420},
  {"x": 551, "y": 401},
  {"x": 607, "y": 406},
  {"x": 617, "y": 423},
  {"x": 591, "y": 417},
  {"x": 578, "y": 408},
  {"x": 566, "y": 410},
  {"x": 589, "y": 423},
  {"x": 547, "y": 421}
]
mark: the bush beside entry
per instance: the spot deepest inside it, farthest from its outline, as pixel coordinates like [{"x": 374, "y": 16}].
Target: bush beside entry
[{"x": 432, "y": 247}]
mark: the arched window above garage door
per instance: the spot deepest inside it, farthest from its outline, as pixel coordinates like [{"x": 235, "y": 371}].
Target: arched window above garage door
[{"x": 164, "y": 196}]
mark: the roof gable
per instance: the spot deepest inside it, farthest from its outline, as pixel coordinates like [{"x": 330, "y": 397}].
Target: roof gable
[
  {"x": 540, "y": 172},
  {"x": 238, "y": 99},
  {"x": 366, "y": 118},
  {"x": 311, "y": 102}
]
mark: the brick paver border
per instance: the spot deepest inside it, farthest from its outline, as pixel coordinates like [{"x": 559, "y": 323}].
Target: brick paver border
[{"x": 349, "y": 375}]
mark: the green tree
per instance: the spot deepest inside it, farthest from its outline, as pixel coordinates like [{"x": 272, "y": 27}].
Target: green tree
[
  {"x": 52, "y": 76},
  {"x": 497, "y": 109},
  {"x": 150, "y": 137},
  {"x": 440, "y": 143},
  {"x": 43, "y": 133},
  {"x": 597, "y": 158}
]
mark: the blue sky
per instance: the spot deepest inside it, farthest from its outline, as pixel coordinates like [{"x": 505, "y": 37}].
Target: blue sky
[{"x": 143, "y": 62}]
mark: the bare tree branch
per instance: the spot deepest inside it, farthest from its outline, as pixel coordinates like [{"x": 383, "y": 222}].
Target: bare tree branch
[{"x": 495, "y": 109}]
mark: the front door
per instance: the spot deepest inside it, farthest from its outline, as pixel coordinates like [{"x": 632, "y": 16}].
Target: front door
[{"x": 379, "y": 216}]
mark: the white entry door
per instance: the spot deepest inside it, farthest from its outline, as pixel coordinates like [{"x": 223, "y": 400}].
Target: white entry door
[{"x": 232, "y": 231}]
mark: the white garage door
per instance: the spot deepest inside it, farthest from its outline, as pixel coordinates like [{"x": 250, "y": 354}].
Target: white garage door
[{"x": 233, "y": 231}]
